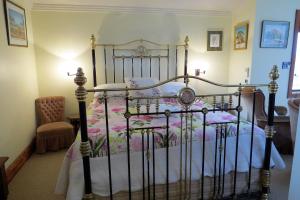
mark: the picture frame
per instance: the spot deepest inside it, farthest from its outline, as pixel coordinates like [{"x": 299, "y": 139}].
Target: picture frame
[
  {"x": 15, "y": 19},
  {"x": 214, "y": 40},
  {"x": 241, "y": 36},
  {"x": 274, "y": 34}
]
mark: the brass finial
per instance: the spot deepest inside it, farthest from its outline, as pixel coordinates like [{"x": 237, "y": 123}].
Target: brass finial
[
  {"x": 88, "y": 196},
  {"x": 186, "y": 41},
  {"x": 93, "y": 41},
  {"x": 274, "y": 75},
  {"x": 80, "y": 80}
]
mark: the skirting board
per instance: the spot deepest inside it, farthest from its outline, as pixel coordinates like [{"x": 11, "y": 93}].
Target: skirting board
[{"x": 17, "y": 164}]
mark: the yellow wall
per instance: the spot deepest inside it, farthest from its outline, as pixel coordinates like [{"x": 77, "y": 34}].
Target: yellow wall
[
  {"x": 62, "y": 38},
  {"x": 18, "y": 87},
  {"x": 240, "y": 60}
]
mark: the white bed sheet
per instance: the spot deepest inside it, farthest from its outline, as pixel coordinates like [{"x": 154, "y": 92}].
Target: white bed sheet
[{"x": 71, "y": 183}]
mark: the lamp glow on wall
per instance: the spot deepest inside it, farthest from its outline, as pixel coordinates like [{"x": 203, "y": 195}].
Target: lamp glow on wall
[
  {"x": 199, "y": 67},
  {"x": 68, "y": 65},
  {"x": 67, "y": 68}
]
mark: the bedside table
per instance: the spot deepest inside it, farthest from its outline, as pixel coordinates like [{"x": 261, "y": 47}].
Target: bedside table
[
  {"x": 75, "y": 121},
  {"x": 3, "y": 180}
]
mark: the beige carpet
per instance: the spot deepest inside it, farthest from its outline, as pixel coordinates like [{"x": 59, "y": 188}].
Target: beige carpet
[
  {"x": 280, "y": 180},
  {"x": 36, "y": 180}
]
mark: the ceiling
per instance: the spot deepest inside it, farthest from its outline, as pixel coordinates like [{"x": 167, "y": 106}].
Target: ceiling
[{"x": 186, "y": 5}]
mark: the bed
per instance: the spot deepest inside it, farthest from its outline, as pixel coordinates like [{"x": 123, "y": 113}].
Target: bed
[{"x": 143, "y": 138}]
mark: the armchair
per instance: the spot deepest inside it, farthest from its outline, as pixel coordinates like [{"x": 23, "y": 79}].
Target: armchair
[
  {"x": 53, "y": 133},
  {"x": 282, "y": 137}
]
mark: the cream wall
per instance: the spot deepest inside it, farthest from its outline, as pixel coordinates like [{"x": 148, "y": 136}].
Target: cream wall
[
  {"x": 62, "y": 38},
  {"x": 264, "y": 58},
  {"x": 18, "y": 86},
  {"x": 240, "y": 60}
]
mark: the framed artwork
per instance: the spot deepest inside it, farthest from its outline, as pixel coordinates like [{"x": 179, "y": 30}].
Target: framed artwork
[
  {"x": 214, "y": 40},
  {"x": 241, "y": 36},
  {"x": 15, "y": 19},
  {"x": 274, "y": 34}
]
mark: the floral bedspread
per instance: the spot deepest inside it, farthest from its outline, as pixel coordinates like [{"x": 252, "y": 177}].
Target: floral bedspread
[{"x": 118, "y": 132}]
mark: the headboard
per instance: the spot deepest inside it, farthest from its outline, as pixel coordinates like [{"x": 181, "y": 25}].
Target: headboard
[{"x": 138, "y": 58}]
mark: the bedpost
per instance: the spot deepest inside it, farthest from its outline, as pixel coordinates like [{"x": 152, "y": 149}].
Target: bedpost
[
  {"x": 93, "y": 45},
  {"x": 269, "y": 130},
  {"x": 85, "y": 148},
  {"x": 186, "y": 46}
]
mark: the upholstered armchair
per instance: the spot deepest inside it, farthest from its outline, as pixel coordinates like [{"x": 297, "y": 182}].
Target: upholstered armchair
[
  {"x": 293, "y": 105},
  {"x": 52, "y": 133},
  {"x": 282, "y": 138}
]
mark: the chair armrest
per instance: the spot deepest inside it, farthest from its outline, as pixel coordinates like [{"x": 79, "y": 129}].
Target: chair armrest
[
  {"x": 280, "y": 110},
  {"x": 277, "y": 119}
]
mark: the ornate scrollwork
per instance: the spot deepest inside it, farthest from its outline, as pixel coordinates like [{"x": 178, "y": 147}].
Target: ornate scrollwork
[
  {"x": 266, "y": 180},
  {"x": 199, "y": 99},
  {"x": 204, "y": 110},
  {"x": 269, "y": 131},
  {"x": 141, "y": 51},
  {"x": 239, "y": 108},
  {"x": 80, "y": 80},
  {"x": 214, "y": 103},
  {"x": 186, "y": 42},
  {"x": 85, "y": 148},
  {"x": 167, "y": 113},
  {"x": 274, "y": 75},
  {"x": 127, "y": 115},
  {"x": 186, "y": 96},
  {"x": 264, "y": 196},
  {"x": 88, "y": 196},
  {"x": 93, "y": 42}
]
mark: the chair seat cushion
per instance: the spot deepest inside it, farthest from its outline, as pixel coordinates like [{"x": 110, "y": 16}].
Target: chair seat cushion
[
  {"x": 55, "y": 128},
  {"x": 54, "y": 136}
]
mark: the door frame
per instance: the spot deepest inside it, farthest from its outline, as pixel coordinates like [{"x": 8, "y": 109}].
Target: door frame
[{"x": 292, "y": 93}]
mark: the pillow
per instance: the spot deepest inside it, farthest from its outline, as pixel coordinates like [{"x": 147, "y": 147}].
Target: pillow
[
  {"x": 111, "y": 86},
  {"x": 142, "y": 82},
  {"x": 171, "y": 88}
]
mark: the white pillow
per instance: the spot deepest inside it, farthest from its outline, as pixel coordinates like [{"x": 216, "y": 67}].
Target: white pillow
[
  {"x": 140, "y": 82},
  {"x": 111, "y": 86},
  {"x": 143, "y": 82},
  {"x": 171, "y": 88}
]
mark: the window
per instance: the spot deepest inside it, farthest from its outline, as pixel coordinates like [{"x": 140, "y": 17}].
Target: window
[{"x": 294, "y": 80}]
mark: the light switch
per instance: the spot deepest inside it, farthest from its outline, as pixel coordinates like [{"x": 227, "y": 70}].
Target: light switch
[{"x": 286, "y": 65}]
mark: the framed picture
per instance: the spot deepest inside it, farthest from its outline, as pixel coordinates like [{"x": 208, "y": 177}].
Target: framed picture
[
  {"x": 15, "y": 19},
  {"x": 241, "y": 36},
  {"x": 274, "y": 34},
  {"x": 214, "y": 40}
]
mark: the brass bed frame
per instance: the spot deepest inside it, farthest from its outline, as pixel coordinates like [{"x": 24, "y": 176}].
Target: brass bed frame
[{"x": 186, "y": 98}]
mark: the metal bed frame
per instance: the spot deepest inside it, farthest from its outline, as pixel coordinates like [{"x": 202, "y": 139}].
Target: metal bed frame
[
  {"x": 186, "y": 98},
  {"x": 141, "y": 53}
]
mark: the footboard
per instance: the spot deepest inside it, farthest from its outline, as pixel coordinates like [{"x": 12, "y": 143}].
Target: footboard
[{"x": 195, "y": 130}]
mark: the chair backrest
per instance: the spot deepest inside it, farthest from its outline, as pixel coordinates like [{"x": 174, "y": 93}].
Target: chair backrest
[
  {"x": 247, "y": 98},
  {"x": 293, "y": 105},
  {"x": 50, "y": 109}
]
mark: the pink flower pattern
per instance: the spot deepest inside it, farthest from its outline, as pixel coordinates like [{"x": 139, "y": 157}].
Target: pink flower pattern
[{"x": 118, "y": 128}]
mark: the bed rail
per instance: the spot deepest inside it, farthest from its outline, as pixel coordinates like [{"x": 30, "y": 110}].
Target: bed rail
[{"x": 186, "y": 97}]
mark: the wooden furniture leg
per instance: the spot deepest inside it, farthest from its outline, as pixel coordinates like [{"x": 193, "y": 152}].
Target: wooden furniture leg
[{"x": 3, "y": 180}]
